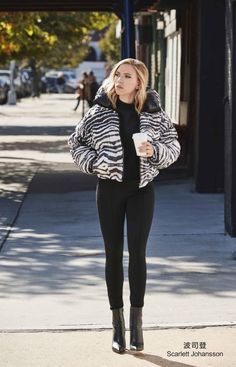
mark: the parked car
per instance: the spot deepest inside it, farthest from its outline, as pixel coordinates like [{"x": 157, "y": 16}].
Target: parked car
[
  {"x": 4, "y": 88},
  {"x": 71, "y": 82},
  {"x": 49, "y": 81},
  {"x": 17, "y": 82},
  {"x": 49, "y": 84}
]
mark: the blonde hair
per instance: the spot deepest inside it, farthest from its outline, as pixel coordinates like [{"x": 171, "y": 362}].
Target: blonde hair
[{"x": 142, "y": 75}]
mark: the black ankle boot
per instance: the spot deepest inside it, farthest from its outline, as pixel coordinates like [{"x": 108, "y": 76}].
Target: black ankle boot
[
  {"x": 118, "y": 322},
  {"x": 136, "y": 332}
]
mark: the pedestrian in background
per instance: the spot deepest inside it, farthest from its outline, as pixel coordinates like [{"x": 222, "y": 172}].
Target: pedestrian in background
[
  {"x": 102, "y": 144},
  {"x": 79, "y": 92},
  {"x": 83, "y": 90},
  {"x": 93, "y": 86}
]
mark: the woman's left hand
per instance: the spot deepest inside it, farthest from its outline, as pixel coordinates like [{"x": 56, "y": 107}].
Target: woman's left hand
[{"x": 147, "y": 148}]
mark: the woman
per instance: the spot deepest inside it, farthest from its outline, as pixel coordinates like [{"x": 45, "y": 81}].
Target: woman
[
  {"x": 102, "y": 144},
  {"x": 83, "y": 90}
]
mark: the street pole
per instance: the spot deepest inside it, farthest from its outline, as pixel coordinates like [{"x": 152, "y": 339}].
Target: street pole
[
  {"x": 128, "y": 49},
  {"x": 11, "y": 97}
]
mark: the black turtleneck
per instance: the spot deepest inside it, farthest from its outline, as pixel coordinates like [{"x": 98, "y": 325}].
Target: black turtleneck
[{"x": 129, "y": 124}]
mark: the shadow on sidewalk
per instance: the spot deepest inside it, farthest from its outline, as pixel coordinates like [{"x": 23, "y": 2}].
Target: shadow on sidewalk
[
  {"x": 158, "y": 361},
  {"x": 15, "y": 130},
  {"x": 66, "y": 179},
  {"x": 58, "y": 228}
]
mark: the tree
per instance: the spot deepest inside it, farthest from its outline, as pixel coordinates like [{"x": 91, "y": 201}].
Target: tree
[
  {"x": 110, "y": 45},
  {"x": 51, "y": 38}
]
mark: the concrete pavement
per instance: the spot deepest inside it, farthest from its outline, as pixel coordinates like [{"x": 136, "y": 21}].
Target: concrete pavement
[
  {"x": 52, "y": 258},
  {"x": 93, "y": 349}
]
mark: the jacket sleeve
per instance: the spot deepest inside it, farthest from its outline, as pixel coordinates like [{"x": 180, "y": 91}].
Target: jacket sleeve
[
  {"x": 166, "y": 145},
  {"x": 80, "y": 148}
]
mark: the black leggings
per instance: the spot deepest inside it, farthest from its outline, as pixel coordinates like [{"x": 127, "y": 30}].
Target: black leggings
[{"x": 116, "y": 200}]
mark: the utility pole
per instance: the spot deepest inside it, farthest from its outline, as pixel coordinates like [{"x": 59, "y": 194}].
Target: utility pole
[
  {"x": 127, "y": 20},
  {"x": 11, "y": 97}
]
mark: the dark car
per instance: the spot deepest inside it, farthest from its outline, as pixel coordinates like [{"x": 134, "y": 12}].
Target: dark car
[
  {"x": 49, "y": 84},
  {"x": 4, "y": 88},
  {"x": 17, "y": 82},
  {"x": 50, "y": 81}
]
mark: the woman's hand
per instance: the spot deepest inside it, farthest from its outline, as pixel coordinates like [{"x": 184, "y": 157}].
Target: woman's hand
[{"x": 146, "y": 148}]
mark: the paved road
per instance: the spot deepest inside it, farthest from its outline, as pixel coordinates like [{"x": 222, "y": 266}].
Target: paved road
[{"x": 52, "y": 258}]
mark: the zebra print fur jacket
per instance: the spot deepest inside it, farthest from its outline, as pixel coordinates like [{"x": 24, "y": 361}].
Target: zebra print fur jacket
[{"x": 96, "y": 145}]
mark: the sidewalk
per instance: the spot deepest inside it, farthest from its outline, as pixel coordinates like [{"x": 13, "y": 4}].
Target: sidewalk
[
  {"x": 52, "y": 262},
  {"x": 93, "y": 349}
]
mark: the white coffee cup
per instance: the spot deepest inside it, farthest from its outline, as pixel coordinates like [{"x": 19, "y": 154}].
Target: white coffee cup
[{"x": 138, "y": 139}]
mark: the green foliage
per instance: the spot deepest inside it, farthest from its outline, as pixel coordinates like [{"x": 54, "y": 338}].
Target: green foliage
[
  {"x": 110, "y": 45},
  {"x": 51, "y": 38}
]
